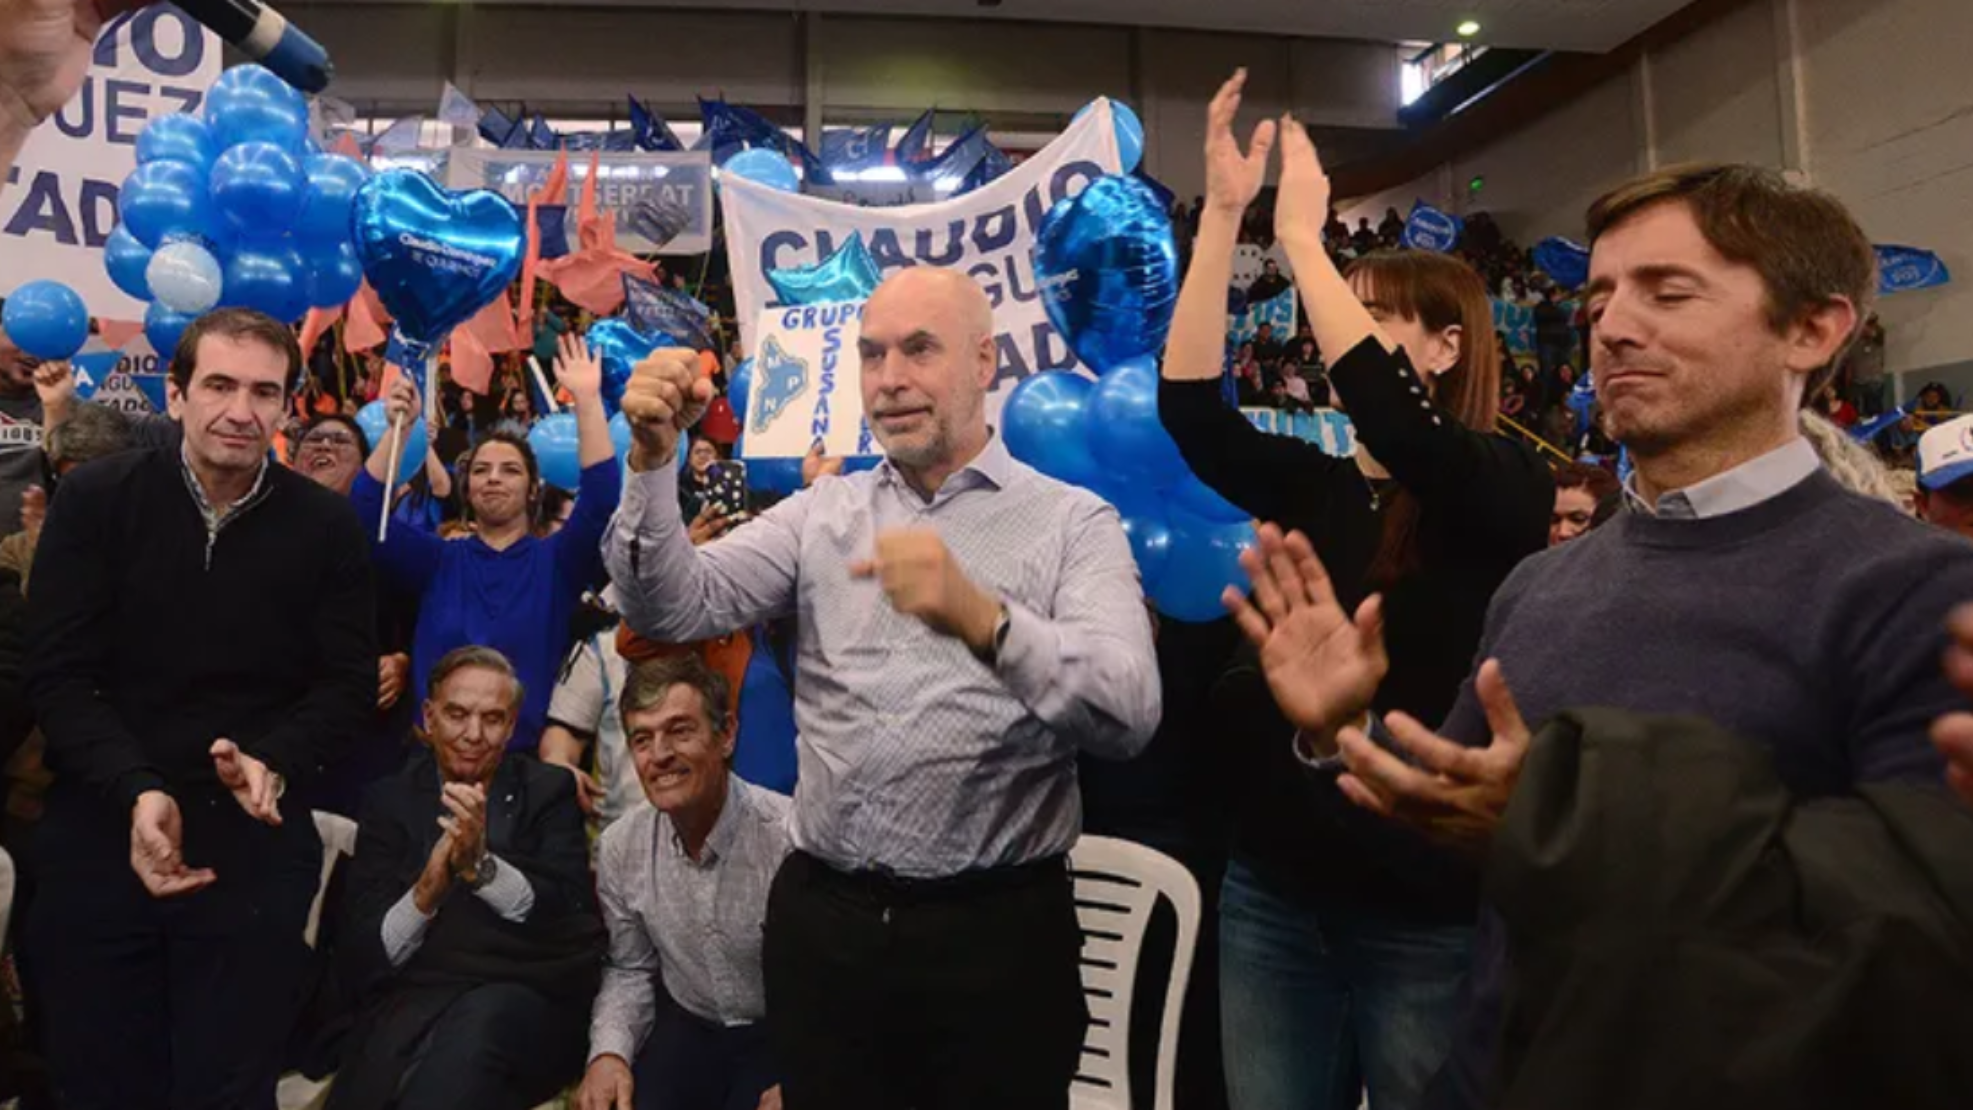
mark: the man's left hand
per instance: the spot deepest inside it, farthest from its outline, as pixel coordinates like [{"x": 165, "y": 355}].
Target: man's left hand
[
  {"x": 921, "y": 579},
  {"x": 257, "y": 789},
  {"x": 1457, "y": 794},
  {"x": 1953, "y": 733},
  {"x": 770, "y": 1099},
  {"x": 466, "y": 824}
]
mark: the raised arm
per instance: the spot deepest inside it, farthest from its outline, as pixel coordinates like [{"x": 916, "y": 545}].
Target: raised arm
[{"x": 407, "y": 557}]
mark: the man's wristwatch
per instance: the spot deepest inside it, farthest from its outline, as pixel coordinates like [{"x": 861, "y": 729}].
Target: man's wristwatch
[
  {"x": 482, "y": 873},
  {"x": 991, "y": 654}
]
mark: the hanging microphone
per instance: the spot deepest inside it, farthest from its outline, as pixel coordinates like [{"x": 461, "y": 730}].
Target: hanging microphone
[{"x": 267, "y": 37}]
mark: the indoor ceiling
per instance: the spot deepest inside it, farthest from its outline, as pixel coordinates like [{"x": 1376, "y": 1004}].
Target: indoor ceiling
[{"x": 1592, "y": 25}]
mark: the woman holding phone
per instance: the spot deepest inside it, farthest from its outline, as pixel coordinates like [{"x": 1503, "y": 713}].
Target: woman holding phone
[{"x": 1343, "y": 937}]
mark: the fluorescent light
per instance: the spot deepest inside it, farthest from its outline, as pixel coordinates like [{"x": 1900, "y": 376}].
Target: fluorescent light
[{"x": 1468, "y": 29}]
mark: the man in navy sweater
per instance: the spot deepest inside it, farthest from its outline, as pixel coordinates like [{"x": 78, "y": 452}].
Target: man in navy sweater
[
  {"x": 1743, "y": 585},
  {"x": 200, "y": 637}
]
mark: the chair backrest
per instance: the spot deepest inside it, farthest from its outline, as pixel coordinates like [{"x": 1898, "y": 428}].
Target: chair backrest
[
  {"x": 338, "y": 835},
  {"x": 7, "y": 882},
  {"x": 1116, "y": 885}
]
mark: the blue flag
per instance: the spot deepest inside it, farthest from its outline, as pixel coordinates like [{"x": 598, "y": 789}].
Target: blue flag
[
  {"x": 1903, "y": 268},
  {"x": 152, "y": 387},
  {"x": 652, "y": 132},
  {"x": 855, "y": 148},
  {"x": 1429, "y": 229},
  {"x": 956, "y": 160},
  {"x": 553, "y": 222},
  {"x": 731, "y": 129},
  {"x": 916, "y": 144},
  {"x": 1564, "y": 260},
  {"x": 993, "y": 164},
  {"x": 655, "y": 310},
  {"x": 1865, "y": 432},
  {"x": 540, "y": 135},
  {"x": 495, "y": 127},
  {"x": 92, "y": 370}
]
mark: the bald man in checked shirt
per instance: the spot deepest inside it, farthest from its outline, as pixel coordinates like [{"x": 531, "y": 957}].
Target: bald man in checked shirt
[{"x": 967, "y": 626}]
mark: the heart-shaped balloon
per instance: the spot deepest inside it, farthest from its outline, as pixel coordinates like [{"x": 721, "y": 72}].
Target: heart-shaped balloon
[
  {"x": 1107, "y": 267},
  {"x": 620, "y": 347},
  {"x": 434, "y": 257}
]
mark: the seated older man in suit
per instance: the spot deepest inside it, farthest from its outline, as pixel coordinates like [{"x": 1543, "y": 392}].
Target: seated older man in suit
[{"x": 473, "y": 940}]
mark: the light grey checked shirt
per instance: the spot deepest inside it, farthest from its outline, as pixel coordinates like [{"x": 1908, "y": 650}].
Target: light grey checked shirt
[
  {"x": 915, "y": 757},
  {"x": 696, "y": 923}
]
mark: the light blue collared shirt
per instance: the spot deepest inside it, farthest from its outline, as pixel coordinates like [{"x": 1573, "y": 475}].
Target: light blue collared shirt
[
  {"x": 915, "y": 757},
  {"x": 1743, "y": 487}
]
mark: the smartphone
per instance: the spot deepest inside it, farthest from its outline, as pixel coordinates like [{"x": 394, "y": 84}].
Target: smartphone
[{"x": 729, "y": 497}]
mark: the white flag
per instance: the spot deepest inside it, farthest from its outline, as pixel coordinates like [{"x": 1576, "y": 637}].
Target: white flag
[{"x": 457, "y": 109}]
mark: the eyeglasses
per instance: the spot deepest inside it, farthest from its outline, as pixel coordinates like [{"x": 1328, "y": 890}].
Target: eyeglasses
[{"x": 328, "y": 439}]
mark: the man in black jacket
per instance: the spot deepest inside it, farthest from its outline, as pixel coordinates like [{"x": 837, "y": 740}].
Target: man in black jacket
[
  {"x": 199, "y": 637},
  {"x": 472, "y": 940}
]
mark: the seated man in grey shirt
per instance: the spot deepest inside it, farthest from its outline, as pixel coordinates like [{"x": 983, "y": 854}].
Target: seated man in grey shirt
[{"x": 684, "y": 886}]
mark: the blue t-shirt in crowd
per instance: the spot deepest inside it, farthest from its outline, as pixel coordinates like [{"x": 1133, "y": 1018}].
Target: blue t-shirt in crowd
[
  {"x": 764, "y": 750},
  {"x": 516, "y": 601}
]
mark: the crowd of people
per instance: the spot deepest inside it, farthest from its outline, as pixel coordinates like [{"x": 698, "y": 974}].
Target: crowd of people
[{"x": 667, "y": 796}]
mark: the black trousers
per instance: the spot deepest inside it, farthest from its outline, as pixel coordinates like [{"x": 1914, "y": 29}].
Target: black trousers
[
  {"x": 501, "y": 1046},
  {"x": 947, "y": 994},
  {"x": 178, "y": 1003},
  {"x": 689, "y": 1063}
]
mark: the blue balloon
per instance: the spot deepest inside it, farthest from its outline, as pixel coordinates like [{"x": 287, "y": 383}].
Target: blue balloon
[
  {"x": 783, "y": 476},
  {"x": 434, "y": 257},
  {"x": 1043, "y": 421},
  {"x": 1129, "y": 130},
  {"x": 375, "y": 423},
  {"x": 329, "y": 198},
  {"x": 249, "y": 104},
  {"x": 738, "y": 386},
  {"x": 850, "y": 274},
  {"x": 258, "y": 187},
  {"x": 177, "y": 138},
  {"x": 765, "y": 167},
  {"x": 1123, "y": 430},
  {"x": 333, "y": 278},
  {"x": 1107, "y": 268},
  {"x": 270, "y": 279},
  {"x": 1148, "y": 527},
  {"x": 1195, "y": 498},
  {"x": 1204, "y": 560},
  {"x": 163, "y": 327},
  {"x": 126, "y": 259},
  {"x": 557, "y": 450},
  {"x": 620, "y": 437},
  {"x": 620, "y": 347},
  {"x": 46, "y": 319},
  {"x": 161, "y": 199}
]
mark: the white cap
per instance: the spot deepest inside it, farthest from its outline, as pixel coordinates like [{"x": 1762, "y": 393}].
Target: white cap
[{"x": 1945, "y": 453}]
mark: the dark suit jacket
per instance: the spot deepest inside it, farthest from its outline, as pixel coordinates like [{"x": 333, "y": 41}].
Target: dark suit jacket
[{"x": 534, "y": 826}]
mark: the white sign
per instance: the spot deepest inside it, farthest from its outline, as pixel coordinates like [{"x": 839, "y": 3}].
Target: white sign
[
  {"x": 59, "y": 203},
  {"x": 663, "y": 202},
  {"x": 988, "y": 233},
  {"x": 806, "y": 384}
]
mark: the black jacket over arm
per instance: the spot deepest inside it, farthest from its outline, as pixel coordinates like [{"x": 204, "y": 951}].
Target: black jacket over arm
[
  {"x": 148, "y": 641},
  {"x": 535, "y": 826},
  {"x": 1484, "y": 505}
]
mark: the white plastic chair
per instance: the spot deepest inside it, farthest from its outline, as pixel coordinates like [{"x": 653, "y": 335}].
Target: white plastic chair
[
  {"x": 338, "y": 838},
  {"x": 1117, "y": 883},
  {"x": 7, "y": 879}
]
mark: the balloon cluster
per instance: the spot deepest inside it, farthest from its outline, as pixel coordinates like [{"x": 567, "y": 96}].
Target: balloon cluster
[
  {"x": 235, "y": 207},
  {"x": 1109, "y": 274}
]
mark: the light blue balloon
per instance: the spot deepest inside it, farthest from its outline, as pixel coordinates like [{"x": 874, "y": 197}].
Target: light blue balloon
[
  {"x": 1204, "y": 560},
  {"x": 619, "y": 346},
  {"x": 1124, "y": 432},
  {"x": 375, "y": 422},
  {"x": 1043, "y": 421},
  {"x": 249, "y": 104},
  {"x": 329, "y": 197},
  {"x": 126, "y": 259},
  {"x": 557, "y": 450},
  {"x": 434, "y": 257},
  {"x": 184, "y": 277},
  {"x": 258, "y": 188},
  {"x": 177, "y": 138},
  {"x": 1129, "y": 130},
  {"x": 46, "y": 319},
  {"x": 334, "y": 276},
  {"x": 765, "y": 167},
  {"x": 620, "y": 438},
  {"x": 160, "y": 199},
  {"x": 849, "y": 274},
  {"x": 738, "y": 387},
  {"x": 1195, "y": 498},
  {"x": 269, "y": 278},
  {"x": 163, "y": 327}
]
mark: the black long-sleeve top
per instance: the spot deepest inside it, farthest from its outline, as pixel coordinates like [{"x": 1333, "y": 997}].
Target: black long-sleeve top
[
  {"x": 149, "y": 638},
  {"x": 1484, "y": 504}
]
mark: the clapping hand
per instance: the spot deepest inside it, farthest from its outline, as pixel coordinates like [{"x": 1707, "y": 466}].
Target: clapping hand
[
  {"x": 577, "y": 368},
  {"x": 257, "y": 788},
  {"x": 1233, "y": 176},
  {"x": 157, "y": 836},
  {"x": 1301, "y": 205}
]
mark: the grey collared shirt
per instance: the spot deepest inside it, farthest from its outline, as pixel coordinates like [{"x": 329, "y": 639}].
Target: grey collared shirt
[
  {"x": 217, "y": 520},
  {"x": 692, "y": 925},
  {"x": 915, "y": 757},
  {"x": 1742, "y": 487}
]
